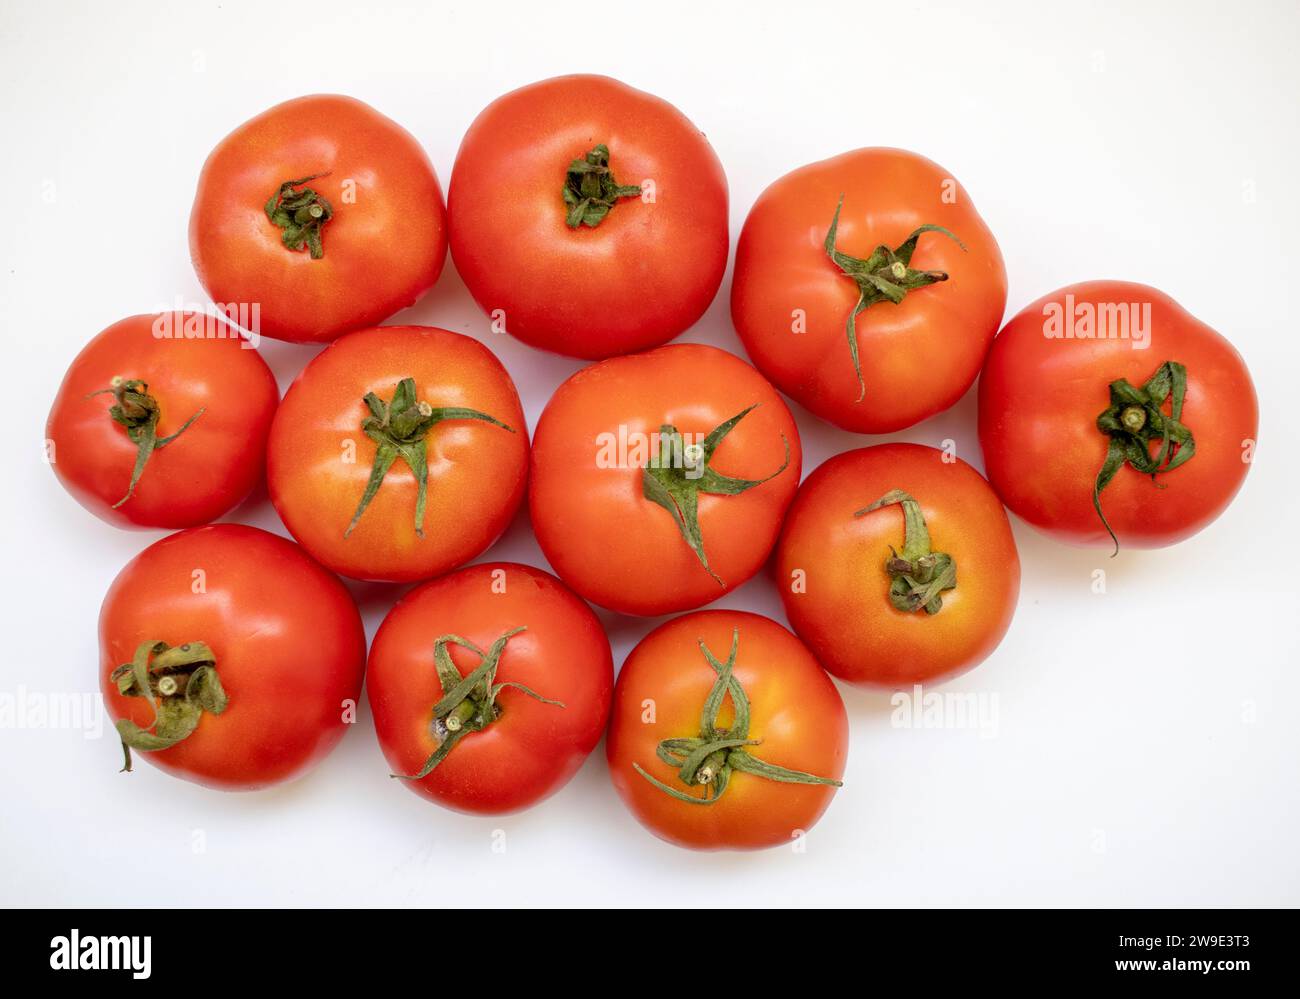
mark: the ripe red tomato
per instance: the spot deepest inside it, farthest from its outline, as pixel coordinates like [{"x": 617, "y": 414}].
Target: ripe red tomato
[
  {"x": 659, "y": 480},
  {"x": 872, "y": 336},
  {"x": 897, "y": 566},
  {"x": 1075, "y": 401},
  {"x": 252, "y": 653},
  {"x": 321, "y": 214},
  {"x": 535, "y": 710},
  {"x": 725, "y": 733},
  {"x": 154, "y": 428},
  {"x": 587, "y": 217},
  {"x": 368, "y": 422}
]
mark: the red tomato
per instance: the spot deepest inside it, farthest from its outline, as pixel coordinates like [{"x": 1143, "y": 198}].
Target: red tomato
[
  {"x": 659, "y": 480},
  {"x": 897, "y": 566},
  {"x": 252, "y": 652},
  {"x": 927, "y": 318},
  {"x": 742, "y": 684},
  {"x": 320, "y": 213},
  {"x": 621, "y": 253},
  {"x": 1130, "y": 358},
  {"x": 536, "y": 711},
  {"x": 152, "y": 428},
  {"x": 367, "y": 422}
]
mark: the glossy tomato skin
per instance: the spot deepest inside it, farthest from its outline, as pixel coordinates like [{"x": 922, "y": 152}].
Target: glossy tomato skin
[
  {"x": 533, "y": 749},
  {"x": 830, "y": 567},
  {"x": 319, "y": 460},
  {"x": 384, "y": 247},
  {"x": 289, "y": 646},
  {"x": 601, "y": 535},
  {"x": 1040, "y": 398},
  {"x": 636, "y": 280},
  {"x": 794, "y": 707},
  {"x": 212, "y": 466},
  {"x": 918, "y": 357}
]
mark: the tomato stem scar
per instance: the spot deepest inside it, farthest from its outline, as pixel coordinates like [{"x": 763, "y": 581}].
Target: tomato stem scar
[
  {"x": 138, "y": 412},
  {"x": 179, "y": 683},
  {"x": 918, "y": 576},
  {"x": 590, "y": 190},
  {"x": 886, "y": 275},
  {"x": 676, "y": 485},
  {"x": 468, "y": 703},
  {"x": 709, "y": 759},
  {"x": 401, "y": 428},
  {"x": 1134, "y": 419},
  {"x": 300, "y": 215}
]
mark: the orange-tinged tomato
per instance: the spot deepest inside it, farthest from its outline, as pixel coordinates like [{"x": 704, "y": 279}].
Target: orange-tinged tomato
[
  {"x": 197, "y": 408},
  {"x": 620, "y": 531},
  {"x": 868, "y": 617},
  {"x": 513, "y": 748},
  {"x": 274, "y": 640},
  {"x": 794, "y": 712},
  {"x": 792, "y": 304},
  {"x": 321, "y": 214},
  {"x": 1057, "y": 368},
  {"x": 629, "y": 267},
  {"x": 401, "y": 395}
]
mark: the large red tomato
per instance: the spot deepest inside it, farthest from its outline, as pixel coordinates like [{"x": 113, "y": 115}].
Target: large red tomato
[
  {"x": 1110, "y": 416},
  {"x": 868, "y": 289},
  {"x": 659, "y": 480},
  {"x": 398, "y": 453},
  {"x": 318, "y": 217},
  {"x": 230, "y": 658},
  {"x": 725, "y": 733},
  {"x": 542, "y": 678},
  {"x": 897, "y": 566},
  {"x": 161, "y": 421},
  {"x": 588, "y": 218}
]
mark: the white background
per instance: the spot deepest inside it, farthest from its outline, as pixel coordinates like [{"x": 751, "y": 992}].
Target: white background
[{"x": 1145, "y": 750}]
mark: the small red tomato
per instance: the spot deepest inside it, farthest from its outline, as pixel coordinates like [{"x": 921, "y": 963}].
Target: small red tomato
[
  {"x": 725, "y": 733},
  {"x": 1110, "y": 416},
  {"x": 156, "y": 428},
  {"x": 868, "y": 289},
  {"x": 229, "y": 658},
  {"x": 489, "y": 687},
  {"x": 897, "y": 566},
  {"x": 320, "y": 216},
  {"x": 398, "y": 453},
  {"x": 590, "y": 218},
  {"x": 659, "y": 480}
]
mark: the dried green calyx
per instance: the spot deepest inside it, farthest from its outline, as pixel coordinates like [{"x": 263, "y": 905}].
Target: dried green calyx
[
  {"x": 138, "y": 412},
  {"x": 180, "y": 683},
  {"x": 708, "y": 760},
  {"x": 590, "y": 190},
  {"x": 918, "y": 576},
  {"x": 401, "y": 428},
  {"x": 886, "y": 275},
  {"x": 469, "y": 703},
  {"x": 675, "y": 479},
  {"x": 301, "y": 215},
  {"x": 1135, "y": 418}
]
